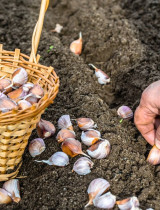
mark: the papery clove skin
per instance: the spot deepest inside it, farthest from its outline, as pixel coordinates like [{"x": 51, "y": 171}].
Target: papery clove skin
[
  {"x": 23, "y": 104},
  {"x": 103, "y": 78},
  {"x": 19, "y": 77},
  {"x": 45, "y": 129},
  {"x": 154, "y": 156},
  {"x": 85, "y": 123},
  {"x": 5, "y": 197},
  {"x": 106, "y": 201},
  {"x": 125, "y": 112},
  {"x": 12, "y": 186},
  {"x": 128, "y": 204},
  {"x": 64, "y": 134},
  {"x": 4, "y": 83},
  {"x": 90, "y": 137},
  {"x": 99, "y": 150},
  {"x": 72, "y": 147},
  {"x": 57, "y": 159},
  {"x": 96, "y": 188},
  {"x": 76, "y": 46},
  {"x": 7, "y": 105},
  {"x": 65, "y": 122},
  {"x": 83, "y": 166},
  {"x": 36, "y": 147}
]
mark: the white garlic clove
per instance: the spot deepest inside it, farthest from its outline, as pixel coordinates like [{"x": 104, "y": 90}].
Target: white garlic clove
[
  {"x": 90, "y": 137},
  {"x": 85, "y": 123},
  {"x": 57, "y": 159},
  {"x": 17, "y": 94},
  {"x": 7, "y": 105},
  {"x": 23, "y": 104},
  {"x": 37, "y": 91},
  {"x": 65, "y": 122},
  {"x": 125, "y": 112},
  {"x": 58, "y": 28},
  {"x": 4, "y": 83},
  {"x": 106, "y": 201},
  {"x": 12, "y": 186},
  {"x": 96, "y": 188},
  {"x": 2, "y": 95},
  {"x": 45, "y": 129},
  {"x": 99, "y": 150},
  {"x": 129, "y": 203},
  {"x": 83, "y": 166},
  {"x": 36, "y": 147},
  {"x": 19, "y": 77},
  {"x": 154, "y": 156},
  {"x": 64, "y": 134},
  {"x": 5, "y": 197},
  {"x": 26, "y": 87},
  {"x": 76, "y": 46}
]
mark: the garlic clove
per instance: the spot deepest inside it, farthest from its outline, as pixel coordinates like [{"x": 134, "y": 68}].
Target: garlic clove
[
  {"x": 76, "y": 46},
  {"x": 106, "y": 201},
  {"x": 57, "y": 159},
  {"x": 31, "y": 99},
  {"x": 154, "y": 156},
  {"x": 37, "y": 91},
  {"x": 72, "y": 147},
  {"x": 7, "y": 105},
  {"x": 23, "y": 104},
  {"x": 65, "y": 134},
  {"x": 4, "y": 83},
  {"x": 85, "y": 123},
  {"x": 12, "y": 186},
  {"x": 129, "y": 203},
  {"x": 17, "y": 94},
  {"x": 26, "y": 87},
  {"x": 58, "y": 28},
  {"x": 125, "y": 112},
  {"x": 2, "y": 95},
  {"x": 96, "y": 188},
  {"x": 19, "y": 77},
  {"x": 45, "y": 129},
  {"x": 36, "y": 147},
  {"x": 65, "y": 122},
  {"x": 90, "y": 137},
  {"x": 5, "y": 197},
  {"x": 83, "y": 166},
  {"x": 99, "y": 150}
]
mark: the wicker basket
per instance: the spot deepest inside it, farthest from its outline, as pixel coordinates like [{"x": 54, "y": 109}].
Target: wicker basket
[{"x": 16, "y": 126}]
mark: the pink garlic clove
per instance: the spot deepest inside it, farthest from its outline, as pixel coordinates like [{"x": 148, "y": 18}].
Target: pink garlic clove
[
  {"x": 83, "y": 166},
  {"x": 17, "y": 94},
  {"x": 65, "y": 122},
  {"x": 129, "y": 203},
  {"x": 106, "y": 201},
  {"x": 23, "y": 104},
  {"x": 85, "y": 123},
  {"x": 76, "y": 46},
  {"x": 26, "y": 87},
  {"x": 125, "y": 112},
  {"x": 5, "y": 197},
  {"x": 31, "y": 99},
  {"x": 19, "y": 77},
  {"x": 154, "y": 156},
  {"x": 37, "y": 91},
  {"x": 90, "y": 137},
  {"x": 65, "y": 134},
  {"x": 4, "y": 83},
  {"x": 36, "y": 147},
  {"x": 7, "y": 104},
  {"x": 45, "y": 129}
]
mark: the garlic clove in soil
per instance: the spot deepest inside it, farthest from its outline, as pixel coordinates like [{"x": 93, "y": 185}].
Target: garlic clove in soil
[
  {"x": 4, "y": 83},
  {"x": 58, "y": 28},
  {"x": 7, "y": 105},
  {"x": 154, "y": 156},
  {"x": 90, "y": 137},
  {"x": 99, "y": 150},
  {"x": 106, "y": 201},
  {"x": 103, "y": 78},
  {"x": 129, "y": 203},
  {"x": 23, "y": 104},
  {"x": 12, "y": 186},
  {"x": 83, "y": 166},
  {"x": 96, "y": 188},
  {"x": 85, "y": 123},
  {"x": 57, "y": 159},
  {"x": 37, "y": 91},
  {"x": 125, "y": 112},
  {"x": 65, "y": 122},
  {"x": 72, "y": 147},
  {"x": 45, "y": 129},
  {"x": 65, "y": 134},
  {"x": 76, "y": 46},
  {"x": 17, "y": 94},
  {"x": 5, "y": 197},
  {"x": 19, "y": 77},
  {"x": 36, "y": 147}
]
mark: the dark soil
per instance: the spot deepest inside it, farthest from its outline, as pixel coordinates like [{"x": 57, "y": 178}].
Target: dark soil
[{"x": 122, "y": 37}]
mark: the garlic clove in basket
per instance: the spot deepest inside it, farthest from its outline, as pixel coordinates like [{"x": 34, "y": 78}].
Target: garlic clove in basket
[
  {"x": 4, "y": 83},
  {"x": 7, "y": 104},
  {"x": 37, "y": 91},
  {"x": 23, "y": 104},
  {"x": 28, "y": 86},
  {"x": 45, "y": 129},
  {"x": 12, "y": 186},
  {"x": 64, "y": 134},
  {"x": 5, "y": 197},
  {"x": 106, "y": 201},
  {"x": 90, "y": 137},
  {"x": 96, "y": 188},
  {"x": 31, "y": 99},
  {"x": 83, "y": 166},
  {"x": 19, "y": 77},
  {"x": 85, "y": 123},
  {"x": 57, "y": 159},
  {"x": 2, "y": 95},
  {"x": 36, "y": 147},
  {"x": 65, "y": 122},
  {"x": 17, "y": 94},
  {"x": 72, "y": 147},
  {"x": 128, "y": 203},
  {"x": 76, "y": 46}
]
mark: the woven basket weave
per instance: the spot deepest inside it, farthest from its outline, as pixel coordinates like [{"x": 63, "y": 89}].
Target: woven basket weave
[{"x": 16, "y": 126}]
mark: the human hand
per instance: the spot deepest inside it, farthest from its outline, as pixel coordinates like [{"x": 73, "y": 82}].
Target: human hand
[{"x": 147, "y": 114}]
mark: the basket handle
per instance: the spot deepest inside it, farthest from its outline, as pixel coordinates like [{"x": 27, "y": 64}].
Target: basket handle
[{"x": 37, "y": 30}]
